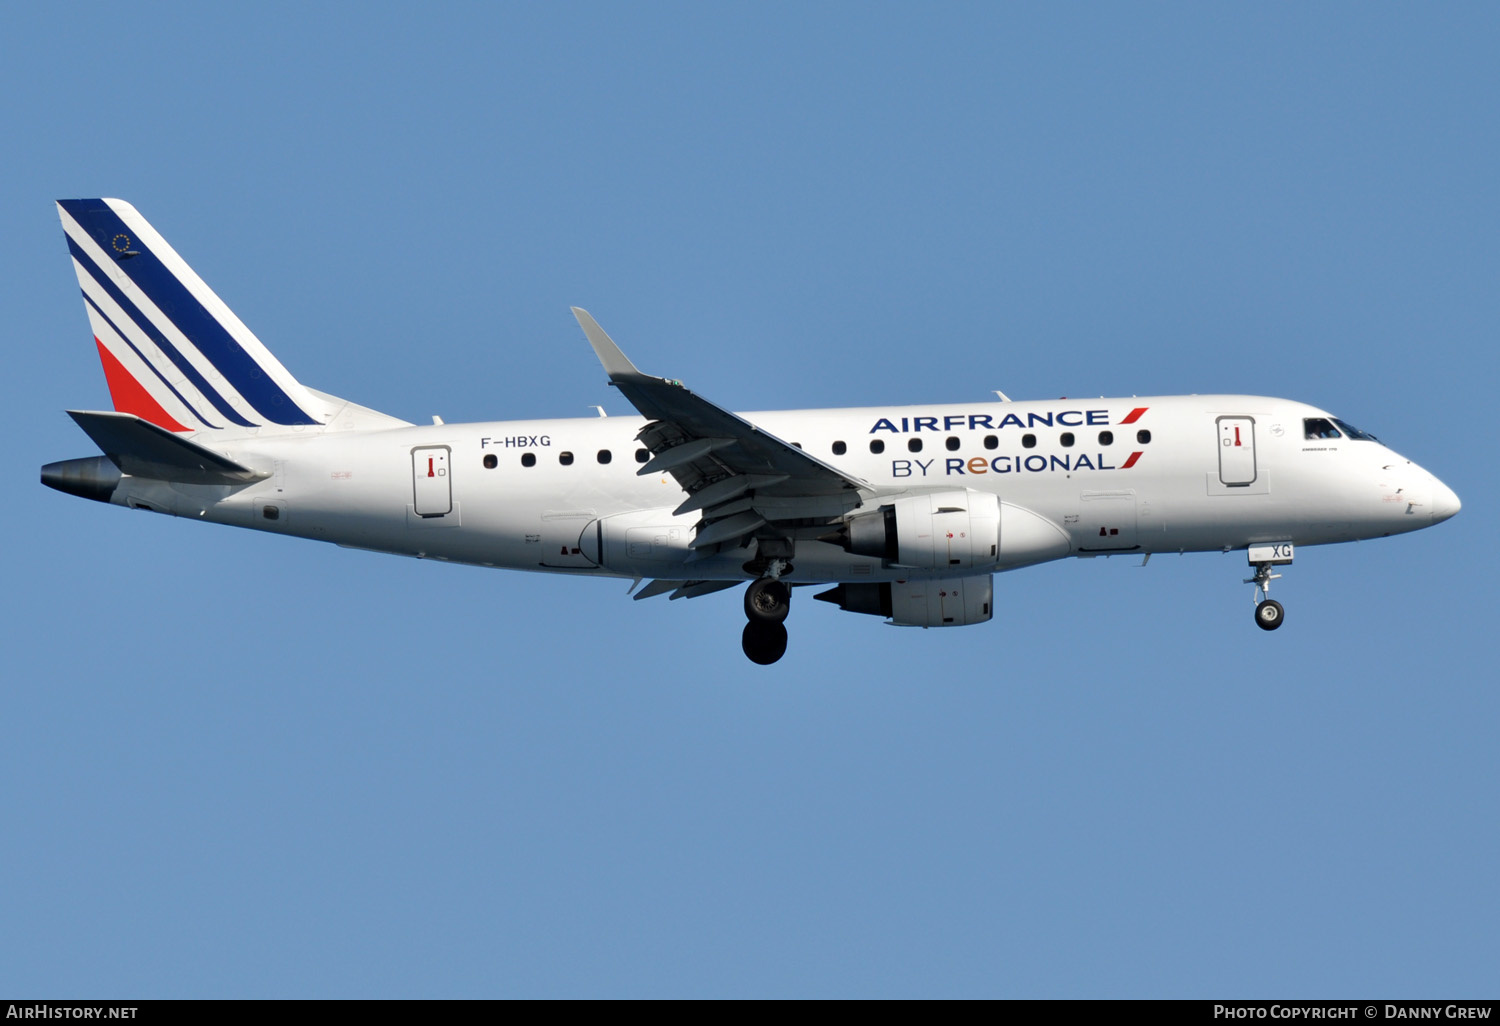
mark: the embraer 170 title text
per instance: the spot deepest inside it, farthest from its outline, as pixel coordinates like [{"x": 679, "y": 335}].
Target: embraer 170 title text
[{"x": 908, "y": 513}]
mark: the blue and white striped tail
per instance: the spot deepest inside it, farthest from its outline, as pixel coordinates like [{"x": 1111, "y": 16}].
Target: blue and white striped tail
[{"x": 173, "y": 353}]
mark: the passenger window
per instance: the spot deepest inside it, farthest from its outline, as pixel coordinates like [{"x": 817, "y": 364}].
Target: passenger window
[
  {"x": 839, "y": 448},
  {"x": 1143, "y": 436},
  {"x": 605, "y": 455},
  {"x": 1066, "y": 439},
  {"x": 991, "y": 442},
  {"x": 528, "y": 459},
  {"x": 642, "y": 455},
  {"x": 876, "y": 445},
  {"x": 913, "y": 445},
  {"x": 1319, "y": 427},
  {"x": 1028, "y": 441},
  {"x": 952, "y": 443},
  {"x": 1106, "y": 438},
  {"x": 491, "y": 461},
  {"x": 565, "y": 458}
]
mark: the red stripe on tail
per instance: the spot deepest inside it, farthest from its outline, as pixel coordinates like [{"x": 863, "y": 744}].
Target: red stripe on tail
[{"x": 129, "y": 396}]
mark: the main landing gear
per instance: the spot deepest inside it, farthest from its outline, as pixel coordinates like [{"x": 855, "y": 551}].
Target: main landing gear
[
  {"x": 768, "y": 600},
  {"x": 1269, "y": 614}
]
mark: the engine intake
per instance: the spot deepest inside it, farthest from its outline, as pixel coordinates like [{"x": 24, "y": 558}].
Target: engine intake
[
  {"x": 957, "y": 530},
  {"x": 965, "y": 530}
]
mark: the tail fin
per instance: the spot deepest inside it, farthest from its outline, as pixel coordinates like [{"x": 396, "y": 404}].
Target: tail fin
[{"x": 173, "y": 353}]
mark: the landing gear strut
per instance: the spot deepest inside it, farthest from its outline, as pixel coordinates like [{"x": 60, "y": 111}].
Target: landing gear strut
[
  {"x": 1268, "y": 612},
  {"x": 767, "y": 603}
]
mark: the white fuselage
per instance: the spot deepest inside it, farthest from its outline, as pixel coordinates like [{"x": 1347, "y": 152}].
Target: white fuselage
[
  {"x": 906, "y": 511},
  {"x": 1186, "y": 473}
]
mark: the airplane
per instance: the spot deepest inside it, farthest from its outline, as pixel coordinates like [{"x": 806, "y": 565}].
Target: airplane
[{"x": 907, "y": 512}]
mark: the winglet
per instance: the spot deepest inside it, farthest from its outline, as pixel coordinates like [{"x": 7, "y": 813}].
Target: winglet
[{"x": 616, "y": 363}]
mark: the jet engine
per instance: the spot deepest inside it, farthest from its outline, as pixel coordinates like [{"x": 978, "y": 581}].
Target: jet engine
[
  {"x": 945, "y": 602},
  {"x": 958, "y": 529},
  {"x": 962, "y": 529}
]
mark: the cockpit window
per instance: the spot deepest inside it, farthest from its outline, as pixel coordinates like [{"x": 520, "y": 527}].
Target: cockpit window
[
  {"x": 1319, "y": 427},
  {"x": 1355, "y": 433}
]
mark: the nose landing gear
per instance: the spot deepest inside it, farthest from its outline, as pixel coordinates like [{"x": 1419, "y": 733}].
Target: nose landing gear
[
  {"x": 1269, "y": 613},
  {"x": 767, "y": 602}
]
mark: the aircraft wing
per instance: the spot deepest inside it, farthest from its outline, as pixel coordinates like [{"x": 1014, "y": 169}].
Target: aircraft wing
[{"x": 741, "y": 476}]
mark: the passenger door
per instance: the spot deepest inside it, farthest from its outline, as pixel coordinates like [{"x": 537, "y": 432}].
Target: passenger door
[
  {"x": 1237, "y": 451},
  {"x": 432, "y": 488}
]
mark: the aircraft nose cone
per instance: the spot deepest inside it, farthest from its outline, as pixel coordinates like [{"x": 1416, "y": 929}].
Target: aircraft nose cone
[{"x": 1444, "y": 502}]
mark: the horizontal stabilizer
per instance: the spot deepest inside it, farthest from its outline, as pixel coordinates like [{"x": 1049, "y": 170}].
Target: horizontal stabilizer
[{"x": 142, "y": 449}]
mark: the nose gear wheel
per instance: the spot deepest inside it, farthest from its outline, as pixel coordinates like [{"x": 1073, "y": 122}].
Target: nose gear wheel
[{"x": 1269, "y": 613}]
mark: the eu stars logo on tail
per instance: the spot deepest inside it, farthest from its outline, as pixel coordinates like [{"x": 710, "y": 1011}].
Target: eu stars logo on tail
[{"x": 173, "y": 353}]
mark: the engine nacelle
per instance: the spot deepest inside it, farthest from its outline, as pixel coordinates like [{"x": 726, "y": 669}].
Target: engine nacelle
[
  {"x": 945, "y": 602},
  {"x": 958, "y": 530}
]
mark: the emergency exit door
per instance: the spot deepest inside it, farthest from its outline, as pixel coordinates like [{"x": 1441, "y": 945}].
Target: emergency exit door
[
  {"x": 432, "y": 488},
  {"x": 1237, "y": 451}
]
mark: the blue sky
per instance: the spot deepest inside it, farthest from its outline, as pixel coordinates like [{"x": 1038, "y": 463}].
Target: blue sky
[{"x": 242, "y": 765}]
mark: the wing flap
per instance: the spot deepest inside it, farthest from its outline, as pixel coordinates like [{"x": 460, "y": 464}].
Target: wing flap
[
  {"x": 726, "y": 490},
  {"x": 683, "y": 589},
  {"x": 736, "y": 526},
  {"x": 683, "y": 454},
  {"x": 657, "y": 587},
  {"x": 697, "y": 589}
]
